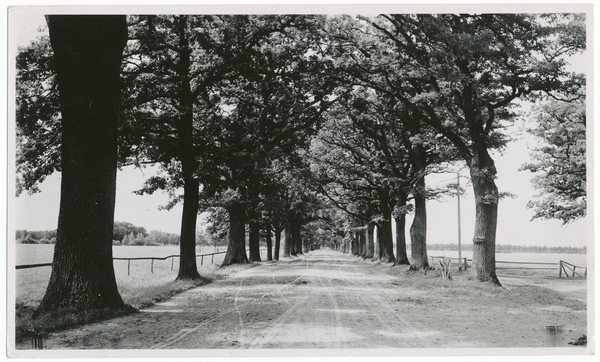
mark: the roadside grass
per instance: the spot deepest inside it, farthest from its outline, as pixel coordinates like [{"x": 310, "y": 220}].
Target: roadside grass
[
  {"x": 462, "y": 287},
  {"x": 140, "y": 289}
]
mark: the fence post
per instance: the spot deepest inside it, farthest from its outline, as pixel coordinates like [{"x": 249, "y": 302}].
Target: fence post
[
  {"x": 201, "y": 260},
  {"x": 172, "y": 261},
  {"x": 560, "y": 268},
  {"x": 212, "y": 259},
  {"x": 152, "y": 266},
  {"x": 128, "y": 267}
]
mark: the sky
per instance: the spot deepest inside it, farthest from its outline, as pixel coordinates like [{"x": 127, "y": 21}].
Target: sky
[{"x": 40, "y": 211}]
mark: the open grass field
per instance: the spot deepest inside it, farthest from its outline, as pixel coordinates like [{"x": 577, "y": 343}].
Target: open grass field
[
  {"x": 136, "y": 287},
  {"x": 141, "y": 283}
]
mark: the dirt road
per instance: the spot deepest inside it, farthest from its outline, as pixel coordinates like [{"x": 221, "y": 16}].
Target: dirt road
[{"x": 328, "y": 300}]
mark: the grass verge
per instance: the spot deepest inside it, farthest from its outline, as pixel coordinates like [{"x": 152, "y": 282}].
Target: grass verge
[{"x": 135, "y": 298}]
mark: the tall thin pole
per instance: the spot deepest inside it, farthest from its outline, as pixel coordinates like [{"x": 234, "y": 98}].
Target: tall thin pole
[{"x": 458, "y": 203}]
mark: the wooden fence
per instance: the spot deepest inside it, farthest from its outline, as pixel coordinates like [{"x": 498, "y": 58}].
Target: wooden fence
[
  {"x": 568, "y": 267},
  {"x": 464, "y": 263},
  {"x": 563, "y": 267},
  {"x": 152, "y": 258}
]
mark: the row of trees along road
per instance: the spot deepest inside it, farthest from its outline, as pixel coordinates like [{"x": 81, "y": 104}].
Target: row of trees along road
[{"x": 281, "y": 121}]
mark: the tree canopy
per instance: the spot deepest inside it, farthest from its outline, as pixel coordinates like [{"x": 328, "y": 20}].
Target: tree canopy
[
  {"x": 559, "y": 162},
  {"x": 277, "y": 119}
]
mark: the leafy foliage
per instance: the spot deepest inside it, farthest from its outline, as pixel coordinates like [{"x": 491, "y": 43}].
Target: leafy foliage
[
  {"x": 37, "y": 117},
  {"x": 559, "y": 161}
]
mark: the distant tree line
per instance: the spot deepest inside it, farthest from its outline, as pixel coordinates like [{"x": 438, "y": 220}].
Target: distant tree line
[
  {"x": 35, "y": 237},
  {"x": 500, "y": 248},
  {"x": 124, "y": 233}
]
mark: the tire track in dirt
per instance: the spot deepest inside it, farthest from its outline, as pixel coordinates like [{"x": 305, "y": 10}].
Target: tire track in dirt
[
  {"x": 377, "y": 299},
  {"x": 241, "y": 337},
  {"x": 180, "y": 335},
  {"x": 275, "y": 327},
  {"x": 383, "y": 322}
]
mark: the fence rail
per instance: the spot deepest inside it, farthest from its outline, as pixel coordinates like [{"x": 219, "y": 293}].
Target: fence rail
[
  {"x": 29, "y": 266},
  {"x": 564, "y": 266},
  {"x": 152, "y": 258},
  {"x": 464, "y": 263}
]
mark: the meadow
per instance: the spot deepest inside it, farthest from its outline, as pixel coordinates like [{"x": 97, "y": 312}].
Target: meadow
[
  {"x": 137, "y": 282},
  {"x": 141, "y": 283}
]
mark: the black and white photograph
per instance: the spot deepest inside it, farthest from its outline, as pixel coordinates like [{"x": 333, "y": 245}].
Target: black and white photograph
[{"x": 300, "y": 181}]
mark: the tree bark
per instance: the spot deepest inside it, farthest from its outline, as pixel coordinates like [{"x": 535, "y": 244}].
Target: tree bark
[
  {"x": 355, "y": 244},
  {"x": 386, "y": 243},
  {"x": 269, "y": 240},
  {"x": 483, "y": 173},
  {"x": 236, "y": 248},
  {"x": 377, "y": 251},
  {"x": 401, "y": 255},
  {"x": 254, "y": 241},
  {"x": 188, "y": 268},
  {"x": 297, "y": 245},
  {"x": 187, "y": 242},
  {"x": 370, "y": 241},
  {"x": 362, "y": 243},
  {"x": 288, "y": 246},
  {"x": 277, "y": 243},
  {"x": 418, "y": 229},
  {"x": 87, "y": 58},
  {"x": 418, "y": 232}
]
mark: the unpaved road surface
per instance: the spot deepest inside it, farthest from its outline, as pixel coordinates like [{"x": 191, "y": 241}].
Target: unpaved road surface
[{"x": 329, "y": 300}]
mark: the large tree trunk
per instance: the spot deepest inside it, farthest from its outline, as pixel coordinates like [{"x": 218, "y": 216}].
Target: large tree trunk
[
  {"x": 254, "y": 241},
  {"x": 418, "y": 229},
  {"x": 370, "y": 241},
  {"x": 87, "y": 59},
  {"x": 188, "y": 268},
  {"x": 187, "y": 243},
  {"x": 269, "y": 240},
  {"x": 418, "y": 234},
  {"x": 486, "y": 218},
  {"x": 362, "y": 242},
  {"x": 277, "y": 243},
  {"x": 236, "y": 248},
  {"x": 386, "y": 242},
  {"x": 355, "y": 244},
  {"x": 483, "y": 172},
  {"x": 288, "y": 246},
  {"x": 297, "y": 245},
  {"x": 377, "y": 251},
  {"x": 401, "y": 255}
]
